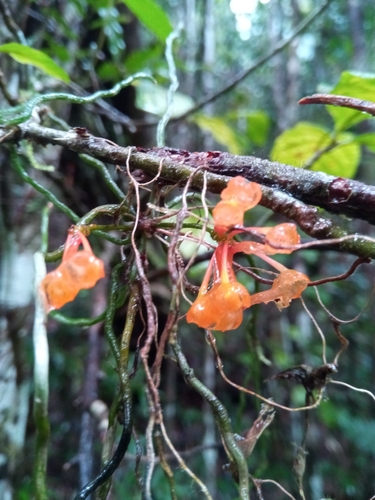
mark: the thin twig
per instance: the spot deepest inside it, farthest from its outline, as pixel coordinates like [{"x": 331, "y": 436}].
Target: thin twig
[
  {"x": 183, "y": 463},
  {"x": 222, "y": 418},
  {"x": 365, "y": 391},
  {"x": 262, "y": 481},
  {"x": 340, "y": 100},
  {"x": 324, "y": 343},
  {"x": 212, "y": 342},
  {"x": 204, "y": 226},
  {"x": 341, "y": 321},
  {"x": 343, "y": 276},
  {"x": 165, "y": 466},
  {"x": 150, "y": 452},
  {"x": 344, "y": 343}
]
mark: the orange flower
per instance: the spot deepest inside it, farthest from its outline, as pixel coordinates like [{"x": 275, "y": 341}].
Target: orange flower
[
  {"x": 221, "y": 306},
  {"x": 79, "y": 270}
]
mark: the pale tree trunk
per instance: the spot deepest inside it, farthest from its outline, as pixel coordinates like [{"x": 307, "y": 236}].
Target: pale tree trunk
[
  {"x": 355, "y": 11},
  {"x": 285, "y": 87}
]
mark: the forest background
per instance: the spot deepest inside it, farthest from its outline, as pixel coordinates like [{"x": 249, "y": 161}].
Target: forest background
[{"x": 240, "y": 67}]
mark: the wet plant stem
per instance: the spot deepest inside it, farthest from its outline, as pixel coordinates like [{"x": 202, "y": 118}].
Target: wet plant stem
[{"x": 236, "y": 456}]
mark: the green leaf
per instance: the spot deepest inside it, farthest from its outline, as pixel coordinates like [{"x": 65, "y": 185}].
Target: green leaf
[
  {"x": 367, "y": 140},
  {"x": 108, "y": 71},
  {"x": 140, "y": 59},
  {"x": 361, "y": 86},
  {"x": 220, "y": 131},
  {"x": 28, "y": 55},
  {"x": 258, "y": 125},
  {"x": 299, "y": 144},
  {"x": 152, "y": 98},
  {"x": 152, "y": 16}
]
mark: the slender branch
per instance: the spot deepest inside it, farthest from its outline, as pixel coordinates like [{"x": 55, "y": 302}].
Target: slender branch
[
  {"x": 340, "y": 100},
  {"x": 342, "y": 276},
  {"x": 17, "y": 164},
  {"x": 110, "y": 312},
  {"x": 222, "y": 418},
  {"x": 342, "y": 196},
  {"x": 121, "y": 354},
  {"x": 105, "y": 174},
  {"x": 273, "y": 52},
  {"x": 165, "y": 466},
  {"x": 113, "y": 464},
  {"x": 286, "y": 189},
  {"x": 358, "y": 389},
  {"x": 104, "y": 108},
  {"x": 270, "y": 402}
]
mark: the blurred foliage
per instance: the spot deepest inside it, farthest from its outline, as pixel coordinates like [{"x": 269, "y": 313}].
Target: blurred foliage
[
  {"x": 27, "y": 55},
  {"x": 99, "y": 43},
  {"x": 298, "y": 145}
]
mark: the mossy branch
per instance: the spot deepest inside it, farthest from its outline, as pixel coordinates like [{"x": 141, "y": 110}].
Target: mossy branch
[{"x": 294, "y": 192}]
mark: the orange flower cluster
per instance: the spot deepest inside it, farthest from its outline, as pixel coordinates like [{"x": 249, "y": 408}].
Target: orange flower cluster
[
  {"x": 222, "y": 299},
  {"x": 79, "y": 270}
]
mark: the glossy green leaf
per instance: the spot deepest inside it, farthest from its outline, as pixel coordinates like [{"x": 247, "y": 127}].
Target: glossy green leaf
[
  {"x": 220, "y": 130},
  {"x": 28, "y": 55},
  {"x": 361, "y": 86},
  {"x": 258, "y": 126},
  {"x": 152, "y": 16},
  {"x": 299, "y": 144}
]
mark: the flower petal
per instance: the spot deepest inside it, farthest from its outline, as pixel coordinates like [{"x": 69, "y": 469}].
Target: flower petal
[
  {"x": 287, "y": 286},
  {"x": 79, "y": 270},
  {"x": 246, "y": 193},
  {"x": 221, "y": 307},
  {"x": 85, "y": 269},
  {"x": 282, "y": 235},
  {"x": 58, "y": 289}
]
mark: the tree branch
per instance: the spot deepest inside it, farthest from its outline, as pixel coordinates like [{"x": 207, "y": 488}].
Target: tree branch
[
  {"x": 340, "y": 100},
  {"x": 286, "y": 189}
]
